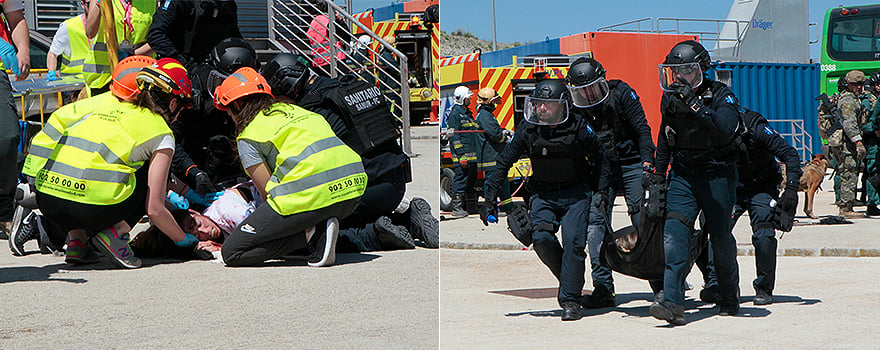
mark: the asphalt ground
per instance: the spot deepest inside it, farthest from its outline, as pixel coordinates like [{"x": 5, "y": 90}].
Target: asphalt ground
[{"x": 368, "y": 300}]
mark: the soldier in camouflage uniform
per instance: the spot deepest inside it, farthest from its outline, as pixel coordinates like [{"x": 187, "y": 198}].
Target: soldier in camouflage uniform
[
  {"x": 849, "y": 149},
  {"x": 824, "y": 125}
]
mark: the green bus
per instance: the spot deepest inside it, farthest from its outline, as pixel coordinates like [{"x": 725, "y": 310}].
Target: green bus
[{"x": 850, "y": 40}]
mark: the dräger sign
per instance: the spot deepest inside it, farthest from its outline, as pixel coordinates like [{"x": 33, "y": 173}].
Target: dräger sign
[{"x": 759, "y": 23}]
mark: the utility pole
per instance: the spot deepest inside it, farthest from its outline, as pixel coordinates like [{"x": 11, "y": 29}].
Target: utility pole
[{"x": 494, "y": 40}]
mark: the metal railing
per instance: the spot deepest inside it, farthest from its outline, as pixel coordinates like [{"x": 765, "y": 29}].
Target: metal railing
[
  {"x": 683, "y": 26},
  {"x": 289, "y": 23},
  {"x": 797, "y": 136}
]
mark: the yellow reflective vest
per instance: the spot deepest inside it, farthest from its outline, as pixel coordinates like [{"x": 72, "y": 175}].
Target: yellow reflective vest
[
  {"x": 83, "y": 153},
  {"x": 311, "y": 168},
  {"x": 96, "y": 69},
  {"x": 79, "y": 46}
]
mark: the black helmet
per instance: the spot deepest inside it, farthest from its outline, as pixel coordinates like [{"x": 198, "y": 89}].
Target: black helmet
[
  {"x": 584, "y": 71},
  {"x": 432, "y": 14},
  {"x": 550, "y": 89},
  {"x": 287, "y": 74},
  {"x": 231, "y": 54},
  {"x": 586, "y": 82},
  {"x": 689, "y": 51},
  {"x": 547, "y": 104},
  {"x": 873, "y": 79}
]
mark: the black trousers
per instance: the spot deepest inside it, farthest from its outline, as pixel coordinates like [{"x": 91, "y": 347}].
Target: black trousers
[
  {"x": 9, "y": 139},
  {"x": 93, "y": 218},
  {"x": 267, "y": 235},
  {"x": 356, "y": 233}
]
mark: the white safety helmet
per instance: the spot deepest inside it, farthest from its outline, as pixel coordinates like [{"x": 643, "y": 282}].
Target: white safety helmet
[
  {"x": 364, "y": 41},
  {"x": 461, "y": 95}
]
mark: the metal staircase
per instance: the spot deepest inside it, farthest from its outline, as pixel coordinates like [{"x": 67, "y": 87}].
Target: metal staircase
[{"x": 288, "y": 27}]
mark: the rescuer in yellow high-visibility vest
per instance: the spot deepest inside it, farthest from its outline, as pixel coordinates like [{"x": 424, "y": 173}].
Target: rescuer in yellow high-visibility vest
[
  {"x": 69, "y": 48},
  {"x": 132, "y": 19},
  {"x": 101, "y": 163},
  {"x": 306, "y": 175}
]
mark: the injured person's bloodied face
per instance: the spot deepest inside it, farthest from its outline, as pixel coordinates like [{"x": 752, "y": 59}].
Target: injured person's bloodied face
[{"x": 201, "y": 226}]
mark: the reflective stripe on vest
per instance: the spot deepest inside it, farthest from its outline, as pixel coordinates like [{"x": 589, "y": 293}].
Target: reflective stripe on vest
[
  {"x": 45, "y": 141},
  {"x": 96, "y": 68},
  {"x": 316, "y": 169},
  {"x": 89, "y": 160},
  {"x": 79, "y": 46}
]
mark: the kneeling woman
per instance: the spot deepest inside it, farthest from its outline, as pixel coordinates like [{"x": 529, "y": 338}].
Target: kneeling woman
[
  {"x": 305, "y": 174},
  {"x": 101, "y": 163}
]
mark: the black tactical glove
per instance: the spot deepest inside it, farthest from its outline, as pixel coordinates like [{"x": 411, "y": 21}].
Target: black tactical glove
[
  {"x": 652, "y": 179},
  {"x": 783, "y": 213},
  {"x": 654, "y": 202},
  {"x": 788, "y": 201},
  {"x": 600, "y": 199},
  {"x": 203, "y": 182},
  {"x": 488, "y": 213},
  {"x": 685, "y": 94}
]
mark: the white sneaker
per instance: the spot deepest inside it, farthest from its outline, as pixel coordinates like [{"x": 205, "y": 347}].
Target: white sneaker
[{"x": 324, "y": 244}]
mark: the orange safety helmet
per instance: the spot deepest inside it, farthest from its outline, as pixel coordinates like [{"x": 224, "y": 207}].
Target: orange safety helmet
[
  {"x": 245, "y": 81},
  {"x": 168, "y": 75},
  {"x": 124, "y": 84}
]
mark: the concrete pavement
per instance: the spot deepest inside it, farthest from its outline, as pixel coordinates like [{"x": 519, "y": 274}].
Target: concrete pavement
[
  {"x": 370, "y": 300},
  {"x": 507, "y": 300},
  {"x": 495, "y": 295},
  {"x": 807, "y": 238}
]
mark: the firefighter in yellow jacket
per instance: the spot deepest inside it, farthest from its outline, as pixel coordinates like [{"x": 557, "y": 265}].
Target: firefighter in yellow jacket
[
  {"x": 101, "y": 163},
  {"x": 307, "y": 176}
]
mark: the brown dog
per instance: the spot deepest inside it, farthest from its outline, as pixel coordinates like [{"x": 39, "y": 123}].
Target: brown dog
[{"x": 814, "y": 173}]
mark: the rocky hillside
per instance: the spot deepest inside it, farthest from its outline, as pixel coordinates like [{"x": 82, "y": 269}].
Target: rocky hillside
[{"x": 460, "y": 42}]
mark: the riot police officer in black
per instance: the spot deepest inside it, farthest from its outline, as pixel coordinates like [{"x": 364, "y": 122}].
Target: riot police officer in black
[
  {"x": 187, "y": 30},
  {"x": 204, "y": 157},
  {"x": 757, "y": 192},
  {"x": 568, "y": 163},
  {"x": 368, "y": 128},
  {"x": 698, "y": 137},
  {"x": 613, "y": 110}
]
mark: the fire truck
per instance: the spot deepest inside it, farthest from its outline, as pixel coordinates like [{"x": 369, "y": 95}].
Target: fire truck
[{"x": 417, "y": 35}]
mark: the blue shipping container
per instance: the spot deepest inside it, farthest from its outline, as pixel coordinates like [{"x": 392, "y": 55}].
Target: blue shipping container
[
  {"x": 778, "y": 91},
  {"x": 505, "y": 57},
  {"x": 386, "y": 13}
]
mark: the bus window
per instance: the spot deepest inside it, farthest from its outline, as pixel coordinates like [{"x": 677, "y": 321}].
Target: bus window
[
  {"x": 853, "y": 39},
  {"x": 855, "y": 35}
]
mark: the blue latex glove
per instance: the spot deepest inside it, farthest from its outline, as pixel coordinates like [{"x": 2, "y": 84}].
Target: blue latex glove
[
  {"x": 52, "y": 76},
  {"x": 203, "y": 199},
  {"x": 177, "y": 201},
  {"x": 188, "y": 241},
  {"x": 7, "y": 54}
]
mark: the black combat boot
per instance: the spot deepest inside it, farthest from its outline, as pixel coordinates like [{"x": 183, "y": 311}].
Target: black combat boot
[{"x": 457, "y": 210}]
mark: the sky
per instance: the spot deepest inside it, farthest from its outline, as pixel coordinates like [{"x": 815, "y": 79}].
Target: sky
[{"x": 531, "y": 20}]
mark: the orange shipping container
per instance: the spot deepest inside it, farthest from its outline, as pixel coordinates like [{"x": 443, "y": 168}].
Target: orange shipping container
[
  {"x": 631, "y": 57},
  {"x": 418, "y": 5}
]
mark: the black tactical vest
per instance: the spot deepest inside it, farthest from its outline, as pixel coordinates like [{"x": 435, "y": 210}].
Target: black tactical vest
[
  {"x": 606, "y": 123},
  {"x": 367, "y": 122},
  {"x": 557, "y": 156},
  {"x": 685, "y": 131},
  {"x": 758, "y": 167}
]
